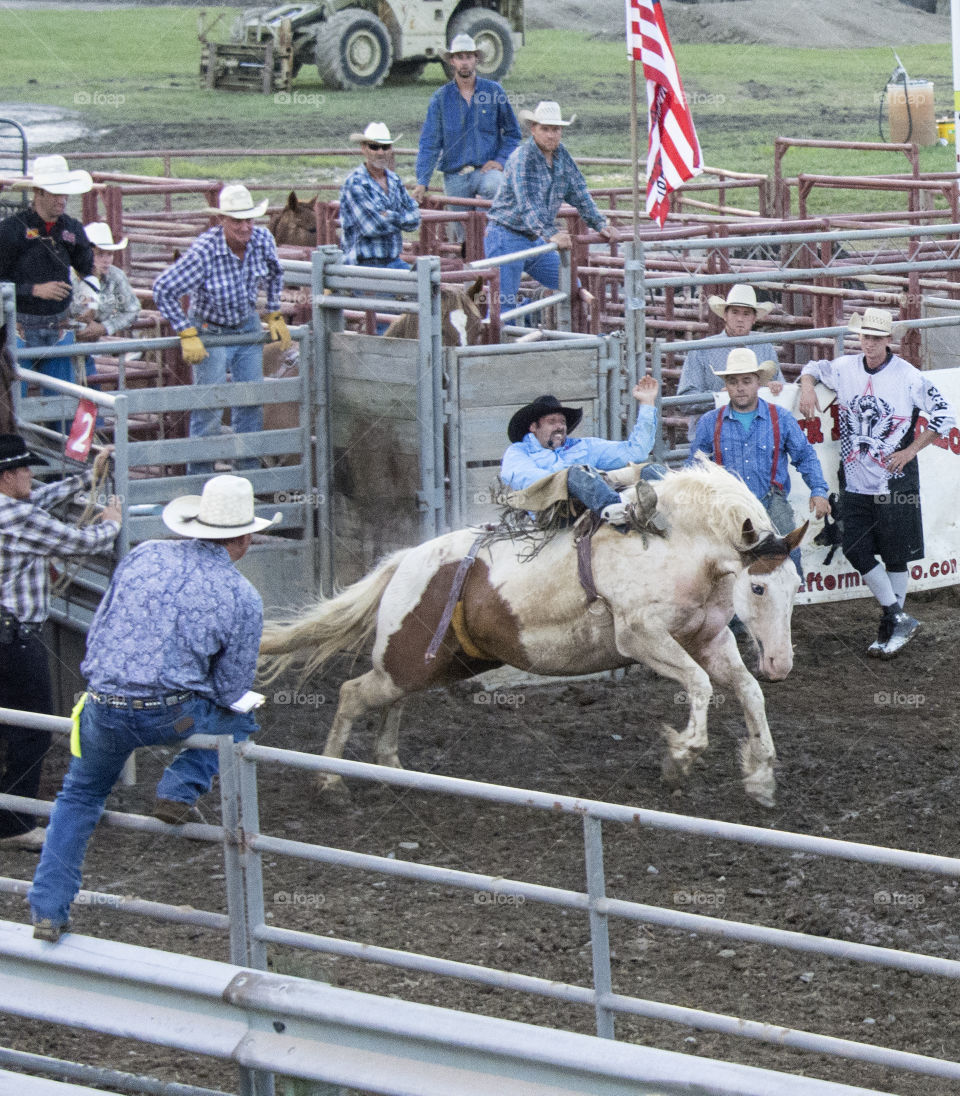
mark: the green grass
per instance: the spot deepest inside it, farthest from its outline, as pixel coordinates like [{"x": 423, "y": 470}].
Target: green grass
[{"x": 134, "y": 74}]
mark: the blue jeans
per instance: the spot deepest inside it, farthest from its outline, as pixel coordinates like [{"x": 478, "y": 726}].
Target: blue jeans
[
  {"x": 544, "y": 269},
  {"x": 587, "y": 485},
  {"x": 107, "y": 738},
  {"x": 244, "y": 363},
  {"x": 394, "y": 264},
  {"x": 781, "y": 514},
  {"x": 477, "y": 184}
]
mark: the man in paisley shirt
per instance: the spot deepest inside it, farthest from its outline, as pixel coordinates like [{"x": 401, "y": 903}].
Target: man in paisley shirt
[
  {"x": 881, "y": 397},
  {"x": 171, "y": 651}
]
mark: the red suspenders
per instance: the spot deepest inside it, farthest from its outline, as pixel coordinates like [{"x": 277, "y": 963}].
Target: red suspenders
[{"x": 774, "y": 422}]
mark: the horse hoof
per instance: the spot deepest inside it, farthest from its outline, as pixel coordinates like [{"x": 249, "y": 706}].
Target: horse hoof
[
  {"x": 763, "y": 797},
  {"x": 334, "y": 797},
  {"x": 673, "y": 772}
]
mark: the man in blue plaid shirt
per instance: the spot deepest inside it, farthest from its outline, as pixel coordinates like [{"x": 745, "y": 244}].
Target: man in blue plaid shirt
[
  {"x": 538, "y": 177},
  {"x": 222, "y": 272},
  {"x": 375, "y": 209}
]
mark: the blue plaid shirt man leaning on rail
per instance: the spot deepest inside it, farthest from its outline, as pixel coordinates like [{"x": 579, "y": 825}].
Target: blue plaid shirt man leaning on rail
[{"x": 538, "y": 177}]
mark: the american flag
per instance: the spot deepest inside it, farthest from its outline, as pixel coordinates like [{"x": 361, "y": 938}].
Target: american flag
[{"x": 674, "y": 151}]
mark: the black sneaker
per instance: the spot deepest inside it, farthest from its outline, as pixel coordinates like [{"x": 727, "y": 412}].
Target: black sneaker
[
  {"x": 904, "y": 629},
  {"x": 884, "y": 632}
]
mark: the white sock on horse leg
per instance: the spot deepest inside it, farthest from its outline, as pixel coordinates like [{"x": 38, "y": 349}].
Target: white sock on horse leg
[
  {"x": 880, "y": 586},
  {"x": 898, "y": 582}
]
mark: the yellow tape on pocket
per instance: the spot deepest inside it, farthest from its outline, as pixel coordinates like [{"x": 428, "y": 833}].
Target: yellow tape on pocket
[{"x": 75, "y": 725}]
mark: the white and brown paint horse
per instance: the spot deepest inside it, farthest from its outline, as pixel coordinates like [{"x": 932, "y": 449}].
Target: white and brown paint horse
[{"x": 665, "y": 604}]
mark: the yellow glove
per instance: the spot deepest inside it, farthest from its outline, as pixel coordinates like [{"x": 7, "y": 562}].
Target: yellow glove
[
  {"x": 279, "y": 332},
  {"x": 75, "y": 725},
  {"x": 191, "y": 347}
]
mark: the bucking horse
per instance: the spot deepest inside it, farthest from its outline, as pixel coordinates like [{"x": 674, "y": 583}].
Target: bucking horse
[{"x": 664, "y": 601}]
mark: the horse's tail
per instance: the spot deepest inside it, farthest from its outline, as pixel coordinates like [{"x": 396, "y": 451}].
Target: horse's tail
[{"x": 341, "y": 623}]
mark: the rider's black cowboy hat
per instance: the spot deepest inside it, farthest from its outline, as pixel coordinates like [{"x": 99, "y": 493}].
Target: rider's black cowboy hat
[
  {"x": 533, "y": 412},
  {"x": 15, "y": 454}
]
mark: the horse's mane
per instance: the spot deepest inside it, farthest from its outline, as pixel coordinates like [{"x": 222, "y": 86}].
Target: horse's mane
[{"x": 706, "y": 496}]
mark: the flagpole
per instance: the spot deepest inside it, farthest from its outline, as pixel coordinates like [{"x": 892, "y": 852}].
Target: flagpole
[{"x": 635, "y": 151}]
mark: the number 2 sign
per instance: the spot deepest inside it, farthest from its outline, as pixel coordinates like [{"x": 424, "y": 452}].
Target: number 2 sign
[{"x": 81, "y": 432}]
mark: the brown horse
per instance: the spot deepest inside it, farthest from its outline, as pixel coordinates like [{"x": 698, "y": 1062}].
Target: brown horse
[
  {"x": 296, "y": 223},
  {"x": 461, "y": 318},
  {"x": 664, "y": 601}
]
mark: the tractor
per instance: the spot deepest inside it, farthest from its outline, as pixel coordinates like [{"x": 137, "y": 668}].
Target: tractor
[{"x": 361, "y": 43}]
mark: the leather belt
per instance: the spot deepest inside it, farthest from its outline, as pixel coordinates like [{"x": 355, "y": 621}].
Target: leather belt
[{"x": 138, "y": 703}]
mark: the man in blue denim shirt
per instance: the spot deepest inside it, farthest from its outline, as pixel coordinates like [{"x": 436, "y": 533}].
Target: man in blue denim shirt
[
  {"x": 470, "y": 128},
  {"x": 172, "y": 649}
]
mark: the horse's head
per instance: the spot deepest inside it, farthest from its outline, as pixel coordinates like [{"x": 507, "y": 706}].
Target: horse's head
[
  {"x": 763, "y": 594},
  {"x": 296, "y": 223},
  {"x": 462, "y": 316}
]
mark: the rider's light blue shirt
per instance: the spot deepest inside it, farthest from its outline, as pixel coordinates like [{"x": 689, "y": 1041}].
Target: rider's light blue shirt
[{"x": 527, "y": 461}]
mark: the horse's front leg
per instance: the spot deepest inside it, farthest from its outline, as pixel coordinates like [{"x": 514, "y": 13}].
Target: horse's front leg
[
  {"x": 721, "y": 659},
  {"x": 661, "y": 652}
]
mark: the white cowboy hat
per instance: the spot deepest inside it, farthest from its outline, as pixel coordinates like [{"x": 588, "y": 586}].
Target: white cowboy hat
[
  {"x": 743, "y": 360},
  {"x": 463, "y": 43},
  {"x": 235, "y": 201},
  {"x": 378, "y": 133},
  {"x": 744, "y": 296},
  {"x": 99, "y": 234},
  {"x": 224, "y": 510},
  {"x": 50, "y": 173},
  {"x": 875, "y": 321},
  {"x": 547, "y": 113}
]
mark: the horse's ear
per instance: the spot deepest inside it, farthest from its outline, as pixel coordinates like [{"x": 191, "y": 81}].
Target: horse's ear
[
  {"x": 794, "y": 538},
  {"x": 748, "y": 533},
  {"x": 292, "y": 201}
]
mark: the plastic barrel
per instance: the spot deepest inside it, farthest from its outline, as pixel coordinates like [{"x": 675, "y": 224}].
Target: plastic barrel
[{"x": 919, "y": 96}]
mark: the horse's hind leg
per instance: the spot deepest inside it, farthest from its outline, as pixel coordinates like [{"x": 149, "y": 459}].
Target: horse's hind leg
[
  {"x": 359, "y": 695},
  {"x": 387, "y": 749}
]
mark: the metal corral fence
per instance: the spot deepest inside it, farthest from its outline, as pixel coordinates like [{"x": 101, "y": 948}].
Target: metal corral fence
[{"x": 250, "y": 934}]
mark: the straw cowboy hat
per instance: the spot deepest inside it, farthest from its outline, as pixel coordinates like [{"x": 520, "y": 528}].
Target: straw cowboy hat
[
  {"x": 547, "y": 113},
  {"x": 235, "y": 201},
  {"x": 99, "y": 234},
  {"x": 377, "y": 133},
  {"x": 224, "y": 510},
  {"x": 875, "y": 321},
  {"x": 15, "y": 454},
  {"x": 463, "y": 43},
  {"x": 743, "y": 360},
  {"x": 50, "y": 173},
  {"x": 744, "y": 296},
  {"x": 533, "y": 412}
]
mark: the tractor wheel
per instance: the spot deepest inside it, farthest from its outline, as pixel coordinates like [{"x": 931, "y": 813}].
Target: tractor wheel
[
  {"x": 353, "y": 50},
  {"x": 492, "y": 34},
  {"x": 405, "y": 72}
]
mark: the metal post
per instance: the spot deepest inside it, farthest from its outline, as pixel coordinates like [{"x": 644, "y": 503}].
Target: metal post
[
  {"x": 656, "y": 370},
  {"x": 425, "y": 400},
  {"x": 320, "y": 427},
  {"x": 565, "y": 307},
  {"x": 599, "y": 929},
  {"x": 457, "y": 515},
  {"x": 436, "y": 344}
]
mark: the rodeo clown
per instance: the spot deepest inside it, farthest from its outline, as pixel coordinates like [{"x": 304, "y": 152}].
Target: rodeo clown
[{"x": 880, "y": 396}]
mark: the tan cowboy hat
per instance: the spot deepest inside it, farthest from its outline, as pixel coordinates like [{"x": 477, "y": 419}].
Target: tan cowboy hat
[
  {"x": 378, "y": 133},
  {"x": 743, "y": 360},
  {"x": 99, "y": 234},
  {"x": 235, "y": 201},
  {"x": 744, "y": 296},
  {"x": 875, "y": 321},
  {"x": 224, "y": 510},
  {"x": 463, "y": 43},
  {"x": 547, "y": 113},
  {"x": 50, "y": 173}
]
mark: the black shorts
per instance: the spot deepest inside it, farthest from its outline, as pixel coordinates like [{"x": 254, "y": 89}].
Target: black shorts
[{"x": 889, "y": 526}]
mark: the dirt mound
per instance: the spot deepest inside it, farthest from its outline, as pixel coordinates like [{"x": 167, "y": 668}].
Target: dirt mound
[{"x": 813, "y": 23}]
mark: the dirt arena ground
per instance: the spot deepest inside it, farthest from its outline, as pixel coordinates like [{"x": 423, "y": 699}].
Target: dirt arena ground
[{"x": 867, "y": 753}]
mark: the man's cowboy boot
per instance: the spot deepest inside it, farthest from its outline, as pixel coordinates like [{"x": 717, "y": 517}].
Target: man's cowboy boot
[{"x": 644, "y": 509}]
